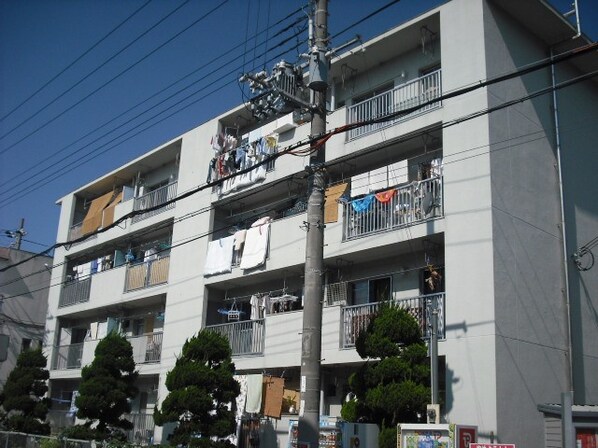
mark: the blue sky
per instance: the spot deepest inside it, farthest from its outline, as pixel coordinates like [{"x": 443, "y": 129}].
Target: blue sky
[{"x": 54, "y": 130}]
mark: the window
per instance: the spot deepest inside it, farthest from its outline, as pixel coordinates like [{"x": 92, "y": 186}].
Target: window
[
  {"x": 371, "y": 290},
  {"x": 25, "y": 344},
  {"x": 4, "y": 342}
]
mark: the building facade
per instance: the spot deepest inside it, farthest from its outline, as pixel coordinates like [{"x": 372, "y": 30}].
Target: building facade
[
  {"x": 23, "y": 305},
  {"x": 435, "y": 203}
]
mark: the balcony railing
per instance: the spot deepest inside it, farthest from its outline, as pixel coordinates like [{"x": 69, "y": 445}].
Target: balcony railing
[
  {"x": 76, "y": 232},
  {"x": 147, "y": 348},
  {"x": 356, "y": 318},
  {"x": 146, "y": 274},
  {"x": 68, "y": 356},
  {"x": 75, "y": 292},
  {"x": 143, "y": 428},
  {"x": 403, "y": 97},
  {"x": 245, "y": 337},
  {"x": 154, "y": 199},
  {"x": 409, "y": 205}
]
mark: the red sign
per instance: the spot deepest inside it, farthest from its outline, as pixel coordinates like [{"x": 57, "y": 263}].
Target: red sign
[
  {"x": 467, "y": 436},
  {"x": 492, "y": 445}
]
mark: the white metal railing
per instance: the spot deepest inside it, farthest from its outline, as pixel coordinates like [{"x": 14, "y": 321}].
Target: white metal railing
[
  {"x": 146, "y": 274},
  {"x": 19, "y": 439},
  {"x": 245, "y": 337},
  {"x": 154, "y": 199},
  {"x": 356, "y": 318},
  {"x": 403, "y": 97},
  {"x": 409, "y": 205},
  {"x": 143, "y": 428},
  {"x": 76, "y": 291},
  {"x": 147, "y": 348},
  {"x": 68, "y": 356}
]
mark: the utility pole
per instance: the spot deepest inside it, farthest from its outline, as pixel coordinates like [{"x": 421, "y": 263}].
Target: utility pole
[
  {"x": 311, "y": 339},
  {"x": 17, "y": 235}
]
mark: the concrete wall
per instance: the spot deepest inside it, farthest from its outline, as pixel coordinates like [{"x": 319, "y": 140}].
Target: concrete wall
[
  {"x": 578, "y": 116},
  {"x": 531, "y": 341},
  {"x": 470, "y": 337},
  {"x": 24, "y": 298}
]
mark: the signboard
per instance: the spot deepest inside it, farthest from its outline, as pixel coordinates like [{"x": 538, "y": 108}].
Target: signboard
[
  {"x": 414, "y": 435},
  {"x": 467, "y": 436},
  {"x": 492, "y": 445},
  {"x": 425, "y": 436}
]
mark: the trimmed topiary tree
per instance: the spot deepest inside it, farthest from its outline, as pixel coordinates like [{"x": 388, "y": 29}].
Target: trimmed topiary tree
[
  {"x": 202, "y": 393},
  {"x": 22, "y": 397},
  {"x": 107, "y": 385},
  {"x": 392, "y": 386}
]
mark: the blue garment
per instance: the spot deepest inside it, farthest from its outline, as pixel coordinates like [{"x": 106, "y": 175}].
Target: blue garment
[{"x": 361, "y": 205}]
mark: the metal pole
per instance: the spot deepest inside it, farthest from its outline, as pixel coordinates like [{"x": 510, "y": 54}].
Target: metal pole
[
  {"x": 434, "y": 350},
  {"x": 567, "y": 394},
  {"x": 19, "y": 234},
  {"x": 309, "y": 410}
]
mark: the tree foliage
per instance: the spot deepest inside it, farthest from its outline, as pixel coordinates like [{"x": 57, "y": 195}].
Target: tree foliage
[
  {"x": 202, "y": 393},
  {"x": 22, "y": 397},
  {"x": 392, "y": 385},
  {"x": 107, "y": 385}
]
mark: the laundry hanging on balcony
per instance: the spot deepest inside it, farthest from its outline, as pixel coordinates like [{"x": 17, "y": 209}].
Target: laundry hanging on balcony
[
  {"x": 256, "y": 244},
  {"x": 361, "y": 205},
  {"x": 219, "y": 258},
  {"x": 331, "y": 197},
  {"x": 385, "y": 196},
  {"x": 255, "y": 384}
]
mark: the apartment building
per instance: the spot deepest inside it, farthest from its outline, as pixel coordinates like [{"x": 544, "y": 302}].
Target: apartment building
[{"x": 474, "y": 203}]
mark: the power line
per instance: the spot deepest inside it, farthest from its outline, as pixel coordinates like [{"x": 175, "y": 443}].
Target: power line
[
  {"x": 42, "y": 170},
  {"x": 26, "y": 190},
  {"x": 320, "y": 139},
  {"x": 85, "y": 53},
  {"x": 122, "y": 72}
]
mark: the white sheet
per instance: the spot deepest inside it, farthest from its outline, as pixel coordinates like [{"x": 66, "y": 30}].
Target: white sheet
[
  {"x": 256, "y": 247},
  {"x": 219, "y": 258},
  {"x": 253, "y": 405}
]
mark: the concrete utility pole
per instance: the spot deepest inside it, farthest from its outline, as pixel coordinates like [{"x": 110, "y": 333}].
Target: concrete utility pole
[{"x": 311, "y": 346}]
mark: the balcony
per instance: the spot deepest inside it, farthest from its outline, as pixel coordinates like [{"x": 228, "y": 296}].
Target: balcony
[
  {"x": 147, "y": 348},
  {"x": 419, "y": 91},
  {"x": 408, "y": 205},
  {"x": 356, "y": 318},
  {"x": 147, "y": 274},
  {"x": 143, "y": 428},
  {"x": 75, "y": 292},
  {"x": 245, "y": 337},
  {"x": 151, "y": 201},
  {"x": 68, "y": 356}
]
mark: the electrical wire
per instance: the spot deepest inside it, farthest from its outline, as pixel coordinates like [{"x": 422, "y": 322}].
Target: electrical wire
[
  {"x": 317, "y": 141},
  {"x": 152, "y": 230},
  {"x": 122, "y": 72},
  {"x": 161, "y": 103},
  {"x": 94, "y": 152},
  {"x": 81, "y": 56},
  {"x": 314, "y": 140},
  {"x": 585, "y": 251}
]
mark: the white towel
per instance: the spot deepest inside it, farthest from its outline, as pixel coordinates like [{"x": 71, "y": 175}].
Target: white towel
[
  {"x": 256, "y": 247},
  {"x": 219, "y": 258},
  {"x": 253, "y": 405},
  {"x": 255, "y": 307},
  {"x": 240, "y": 239}
]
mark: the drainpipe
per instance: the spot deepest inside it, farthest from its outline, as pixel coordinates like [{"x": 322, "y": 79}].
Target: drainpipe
[
  {"x": 568, "y": 430},
  {"x": 567, "y": 395}
]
